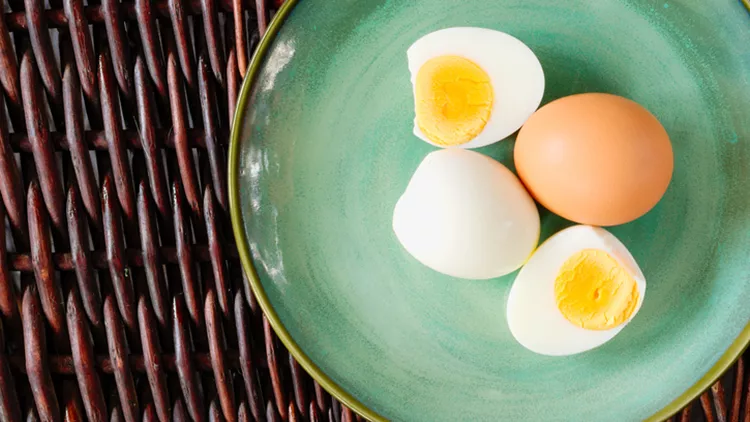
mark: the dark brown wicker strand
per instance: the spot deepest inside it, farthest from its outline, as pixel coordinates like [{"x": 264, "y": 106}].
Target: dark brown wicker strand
[{"x": 121, "y": 294}]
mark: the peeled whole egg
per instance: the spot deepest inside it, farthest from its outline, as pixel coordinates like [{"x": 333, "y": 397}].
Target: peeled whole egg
[
  {"x": 472, "y": 86},
  {"x": 466, "y": 215},
  {"x": 577, "y": 291},
  {"x": 595, "y": 158}
]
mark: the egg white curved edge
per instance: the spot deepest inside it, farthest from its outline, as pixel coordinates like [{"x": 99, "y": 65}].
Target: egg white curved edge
[
  {"x": 455, "y": 217},
  {"x": 533, "y": 316},
  {"x": 516, "y": 75}
]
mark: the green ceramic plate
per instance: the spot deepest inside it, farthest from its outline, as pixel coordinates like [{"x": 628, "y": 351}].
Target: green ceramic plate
[{"x": 322, "y": 148}]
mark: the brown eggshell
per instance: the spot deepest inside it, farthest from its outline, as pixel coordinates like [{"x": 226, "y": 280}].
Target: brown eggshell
[{"x": 595, "y": 159}]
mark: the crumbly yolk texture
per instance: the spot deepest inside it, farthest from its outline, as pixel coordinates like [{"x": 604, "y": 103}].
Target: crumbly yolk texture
[
  {"x": 594, "y": 291},
  {"x": 454, "y": 100}
]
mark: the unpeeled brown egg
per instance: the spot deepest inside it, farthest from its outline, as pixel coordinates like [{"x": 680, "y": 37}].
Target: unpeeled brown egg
[{"x": 595, "y": 158}]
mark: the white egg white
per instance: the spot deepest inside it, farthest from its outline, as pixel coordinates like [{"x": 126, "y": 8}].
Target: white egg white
[
  {"x": 533, "y": 316},
  {"x": 466, "y": 215},
  {"x": 515, "y": 73}
]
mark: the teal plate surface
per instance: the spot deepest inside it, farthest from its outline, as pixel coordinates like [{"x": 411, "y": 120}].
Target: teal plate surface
[{"x": 322, "y": 149}]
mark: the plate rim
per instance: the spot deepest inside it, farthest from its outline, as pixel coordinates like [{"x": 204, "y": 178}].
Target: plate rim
[{"x": 727, "y": 359}]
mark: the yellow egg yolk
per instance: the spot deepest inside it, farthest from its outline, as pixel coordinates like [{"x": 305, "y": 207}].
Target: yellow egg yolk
[
  {"x": 594, "y": 291},
  {"x": 454, "y": 100}
]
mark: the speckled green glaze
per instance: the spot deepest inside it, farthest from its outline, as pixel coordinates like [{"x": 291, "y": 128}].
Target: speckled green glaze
[{"x": 323, "y": 148}]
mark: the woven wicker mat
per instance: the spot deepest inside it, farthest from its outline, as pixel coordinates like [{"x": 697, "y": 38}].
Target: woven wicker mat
[{"x": 121, "y": 295}]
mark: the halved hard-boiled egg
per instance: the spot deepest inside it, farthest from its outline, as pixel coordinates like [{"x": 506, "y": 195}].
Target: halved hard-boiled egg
[
  {"x": 576, "y": 292},
  {"x": 466, "y": 215},
  {"x": 472, "y": 86}
]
